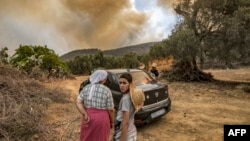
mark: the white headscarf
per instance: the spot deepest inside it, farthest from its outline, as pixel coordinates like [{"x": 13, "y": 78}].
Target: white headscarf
[{"x": 95, "y": 78}]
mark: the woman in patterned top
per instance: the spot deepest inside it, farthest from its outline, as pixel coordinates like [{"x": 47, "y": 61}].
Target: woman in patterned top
[{"x": 95, "y": 103}]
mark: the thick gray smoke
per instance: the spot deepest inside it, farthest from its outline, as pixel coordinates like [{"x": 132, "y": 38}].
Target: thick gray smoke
[{"x": 66, "y": 25}]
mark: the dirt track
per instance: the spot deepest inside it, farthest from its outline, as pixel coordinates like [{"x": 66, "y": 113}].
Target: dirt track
[{"x": 199, "y": 110}]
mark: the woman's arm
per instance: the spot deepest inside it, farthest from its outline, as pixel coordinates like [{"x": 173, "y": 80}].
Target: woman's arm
[
  {"x": 125, "y": 124},
  {"x": 112, "y": 117},
  {"x": 81, "y": 109}
]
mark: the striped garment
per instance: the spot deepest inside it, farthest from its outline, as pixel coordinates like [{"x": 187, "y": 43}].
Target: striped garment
[{"x": 102, "y": 97}]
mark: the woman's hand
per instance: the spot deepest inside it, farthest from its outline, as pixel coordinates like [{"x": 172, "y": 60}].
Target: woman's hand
[
  {"x": 112, "y": 125},
  {"x": 86, "y": 118}
]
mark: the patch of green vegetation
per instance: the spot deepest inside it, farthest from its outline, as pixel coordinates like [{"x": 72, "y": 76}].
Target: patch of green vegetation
[{"x": 246, "y": 88}]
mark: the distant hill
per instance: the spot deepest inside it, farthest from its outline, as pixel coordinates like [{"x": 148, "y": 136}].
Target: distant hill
[{"x": 138, "y": 49}]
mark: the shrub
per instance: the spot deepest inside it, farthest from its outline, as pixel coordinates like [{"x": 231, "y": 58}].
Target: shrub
[
  {"x": 23, "y": 102},
  {"x": 246, "y": 88}
]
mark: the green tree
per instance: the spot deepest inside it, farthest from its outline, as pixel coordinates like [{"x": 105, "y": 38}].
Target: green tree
[
  {"x": 145, "y": 59},
  {"x": 221, "y": 26},
  {"x": 208, "y": 30},
  {"x": 81, "y": 65},
  {"x": 98, "y": 59},
  {"x": 87, "y": 63},
  {"x": 157, "y": 52},
  {"x": 26, "y": 57},
  {"x": 130, "y": 60},
  {"x": 182, "y": 45},
  {"x": 4, "y": 55}
]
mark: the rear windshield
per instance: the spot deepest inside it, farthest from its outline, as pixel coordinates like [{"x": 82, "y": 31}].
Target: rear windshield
[{"x": 140, "y": 78}]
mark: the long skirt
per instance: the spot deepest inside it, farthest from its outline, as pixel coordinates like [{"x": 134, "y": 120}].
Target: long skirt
[{"x": 98, "y": 129}]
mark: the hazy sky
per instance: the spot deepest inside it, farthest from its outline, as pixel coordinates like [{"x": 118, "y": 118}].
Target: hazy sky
[{"x": 66, "y": 25}]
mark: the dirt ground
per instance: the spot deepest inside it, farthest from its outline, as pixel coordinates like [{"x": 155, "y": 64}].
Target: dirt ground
[{"x": 199, "y": 110}]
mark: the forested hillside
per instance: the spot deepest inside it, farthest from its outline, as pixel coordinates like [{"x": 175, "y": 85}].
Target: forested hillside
[{"x": 139, "y": 49}]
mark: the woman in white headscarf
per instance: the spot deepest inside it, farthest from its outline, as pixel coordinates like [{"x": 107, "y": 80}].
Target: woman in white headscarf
[{"x": 95, "y": 103}]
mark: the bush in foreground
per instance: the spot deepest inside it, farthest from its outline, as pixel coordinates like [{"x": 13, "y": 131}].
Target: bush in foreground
[{"x": 23, "y": 102}]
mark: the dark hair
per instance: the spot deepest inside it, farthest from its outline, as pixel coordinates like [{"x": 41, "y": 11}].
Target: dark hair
[{"x": 127, "y": 76}]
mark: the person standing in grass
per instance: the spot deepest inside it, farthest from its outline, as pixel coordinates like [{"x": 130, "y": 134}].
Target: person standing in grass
[{"x": 95, "y": 103}]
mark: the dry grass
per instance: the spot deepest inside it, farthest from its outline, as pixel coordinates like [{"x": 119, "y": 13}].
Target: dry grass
[
  {"x": 22, "y": 105},
  {"x": 35, "y": 111}
]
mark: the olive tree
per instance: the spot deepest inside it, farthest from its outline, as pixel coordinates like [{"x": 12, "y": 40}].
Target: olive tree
[{"x": 26, "y": 57}]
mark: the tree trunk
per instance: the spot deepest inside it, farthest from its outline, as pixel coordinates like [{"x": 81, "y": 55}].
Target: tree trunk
[{"x": 186, "y": 70}]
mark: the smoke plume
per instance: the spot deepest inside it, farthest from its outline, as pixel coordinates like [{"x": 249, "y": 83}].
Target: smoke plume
[{"x": 66, "y": 25}]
